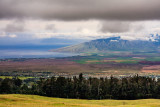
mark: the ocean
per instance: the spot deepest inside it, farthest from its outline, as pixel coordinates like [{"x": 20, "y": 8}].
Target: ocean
[{"x": 31, "y": 51}]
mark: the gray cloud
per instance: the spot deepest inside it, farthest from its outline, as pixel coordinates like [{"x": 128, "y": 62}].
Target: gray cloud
[
  {"x": 15, "y": 26},
  {"x": 120, "y": 26},
  {"x": 51, "y": 27},
  {"x": 81, "y": 9},
  {"x": 115, "y": 26},
  {"x": 136, "y": 27}
]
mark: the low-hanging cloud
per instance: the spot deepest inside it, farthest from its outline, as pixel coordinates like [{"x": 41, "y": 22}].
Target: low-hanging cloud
[
  {"x": 51, "y": 27},
  {"x": 120, "y": 26},
  {"x": 115, "y": 26},
  {"x": 81, "y": 9},
  {"x": 15, "y": 26}
]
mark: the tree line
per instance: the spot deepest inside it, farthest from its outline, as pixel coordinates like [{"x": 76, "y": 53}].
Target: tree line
[{"x": 133, "y": 87}]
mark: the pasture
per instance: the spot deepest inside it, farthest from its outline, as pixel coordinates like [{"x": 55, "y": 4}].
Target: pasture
[{"x": 17, "y": 100}]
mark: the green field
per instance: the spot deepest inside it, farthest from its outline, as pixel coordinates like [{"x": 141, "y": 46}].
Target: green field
[
  {"x": 101, "y": 60},
  {"x": 119, "y": 58},
  {"x": 16, "y": 100},
  {"x": 20, "y": 77}
]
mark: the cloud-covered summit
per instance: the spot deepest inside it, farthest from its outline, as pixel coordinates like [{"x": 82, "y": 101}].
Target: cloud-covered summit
[
  {"x": 78, "y": 19},
  {"x": 81, "y": 9}
]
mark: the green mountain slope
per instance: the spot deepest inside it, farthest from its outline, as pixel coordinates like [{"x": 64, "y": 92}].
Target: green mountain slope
[{"x": 112, "y": 44}]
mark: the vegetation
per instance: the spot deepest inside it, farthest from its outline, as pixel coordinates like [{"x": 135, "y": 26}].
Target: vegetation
[
  {"x": 117, "y": 57},
  {"x": 20, "y": 77},
  {"x": 105, "y": 64},
  {"x": 135, "y": 87},
  {"x": 17, "y": 100},
  {"x": 112, "y": 44},
  {"x": 93, "y": 88}
]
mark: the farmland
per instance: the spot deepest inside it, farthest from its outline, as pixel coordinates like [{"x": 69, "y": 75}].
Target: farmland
[
  {"x": 22, "y": 78},
  {"x": 16, "y": 100},
  {"x": 90, "y": 64}
]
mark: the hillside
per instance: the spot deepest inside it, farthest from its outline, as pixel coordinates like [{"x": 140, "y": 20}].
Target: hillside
[
  {"x": 16, "y": 100},
  {"x": 113, "y": 44}
]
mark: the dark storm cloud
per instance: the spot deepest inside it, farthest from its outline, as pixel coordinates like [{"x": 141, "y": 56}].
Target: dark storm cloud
[{"x": 81, "y": 9}]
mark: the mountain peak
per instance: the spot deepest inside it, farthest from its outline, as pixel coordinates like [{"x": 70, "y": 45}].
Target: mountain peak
[{"x": 113, "y": 44}]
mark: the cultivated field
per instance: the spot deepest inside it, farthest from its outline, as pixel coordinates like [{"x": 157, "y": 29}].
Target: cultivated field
[
  {"x": 16, "y": 100},
  {"x": 22, "y": 78},
  {"x": 90, "y": 64},
  {"x": 67, "y": 67}
]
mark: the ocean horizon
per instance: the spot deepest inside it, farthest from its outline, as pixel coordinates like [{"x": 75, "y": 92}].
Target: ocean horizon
[{"x": 31, "y": 52}]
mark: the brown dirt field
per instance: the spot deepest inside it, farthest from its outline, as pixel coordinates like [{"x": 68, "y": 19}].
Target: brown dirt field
[
  {"x": 151, "y": 69},
  {"x": 51, "y": 65},
  {"x": 66, "y": 66}
]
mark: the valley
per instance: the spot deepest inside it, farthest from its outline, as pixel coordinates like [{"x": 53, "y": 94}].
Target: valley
[{"x": 115, "y": 63}]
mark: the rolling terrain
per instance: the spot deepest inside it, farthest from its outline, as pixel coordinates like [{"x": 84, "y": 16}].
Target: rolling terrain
[
  {"x": 101, "y": 57},
  {"x": 17, "y": 100},
  {"x": 101, "y": 65}
]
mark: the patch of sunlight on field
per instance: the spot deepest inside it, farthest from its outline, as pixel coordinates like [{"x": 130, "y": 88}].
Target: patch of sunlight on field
[
  {"x": 17, "y": 100},
  {"x": 22, "y": 78}
]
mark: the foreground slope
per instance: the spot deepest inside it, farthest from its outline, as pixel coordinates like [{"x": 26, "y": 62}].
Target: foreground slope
[
  {"x": 113, "y": 44},
  {"x": 16, "y": 100}
]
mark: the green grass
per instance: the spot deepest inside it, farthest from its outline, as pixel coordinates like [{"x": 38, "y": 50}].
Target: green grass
[
  {"x": 99, "y": 61},
  {"x": 118, "y": 58},
  {"x": 129, "y": 62},
  {"x": 20, "y": 77},
  {"x": 17, "y": 100},
  {"x": 83, "y": 61},
  {"x": 153, "y": 59}
]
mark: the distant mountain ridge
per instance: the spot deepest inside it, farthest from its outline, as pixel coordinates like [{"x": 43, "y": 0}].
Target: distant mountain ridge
[{"x": 113, "y": 44}]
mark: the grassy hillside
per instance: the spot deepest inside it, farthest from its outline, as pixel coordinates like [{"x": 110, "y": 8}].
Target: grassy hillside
[{"x": 16, "y": 100}]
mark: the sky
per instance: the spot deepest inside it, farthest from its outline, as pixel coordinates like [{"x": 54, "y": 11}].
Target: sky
[{"x": 75, "y": 21}]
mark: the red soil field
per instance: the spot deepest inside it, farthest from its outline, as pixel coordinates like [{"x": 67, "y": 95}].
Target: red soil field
[{"x": 151, "y": 69}]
